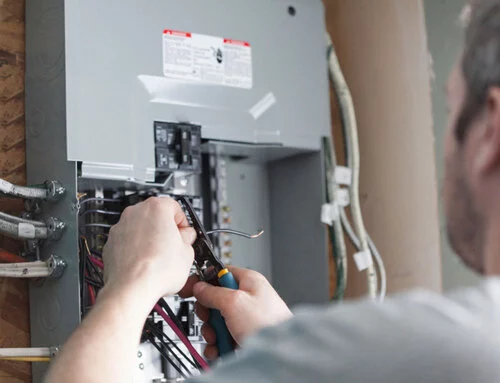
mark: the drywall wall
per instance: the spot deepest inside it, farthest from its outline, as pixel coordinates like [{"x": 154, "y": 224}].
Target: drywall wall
[
  {"x": 14, "y": 308},
  {"x": 382, "y": 47},
  {"x": 445, "y": 41}
]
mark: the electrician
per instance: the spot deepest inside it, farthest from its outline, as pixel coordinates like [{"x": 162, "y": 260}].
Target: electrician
[{"x": 417, "y": 337}]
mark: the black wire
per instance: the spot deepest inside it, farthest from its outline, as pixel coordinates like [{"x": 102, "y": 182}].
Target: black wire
[
  {"x": 93, "y": 283},
  {"x": 159, "y": 334},
  {"x": 169, "y": 360},
  {"x": 164, "y": 305},
  {"x": 94, "y": 268},
  {"x": 83, "y": 291}
]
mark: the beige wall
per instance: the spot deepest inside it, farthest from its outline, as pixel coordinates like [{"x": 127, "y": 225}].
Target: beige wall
[{"x": 382, "y": 48}]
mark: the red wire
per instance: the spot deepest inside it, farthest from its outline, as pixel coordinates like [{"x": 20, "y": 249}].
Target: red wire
[
  {"x": 202, "y": 362},
  {"x": 6, "y": 257},
  {"x": 91, "y": 295},
  {"x": 96, "y": 262}
]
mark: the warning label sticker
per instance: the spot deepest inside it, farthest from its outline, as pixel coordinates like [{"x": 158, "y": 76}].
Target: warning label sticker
[{"x": 208, "y": 59}]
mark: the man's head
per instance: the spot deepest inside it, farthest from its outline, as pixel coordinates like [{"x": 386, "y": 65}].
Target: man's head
[{"x": 472, "y": 183}]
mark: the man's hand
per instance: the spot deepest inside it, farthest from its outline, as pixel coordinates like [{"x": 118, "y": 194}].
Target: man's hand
[
  {"x": 254, "y": 306},
  {"x": 150, "y": 248}
]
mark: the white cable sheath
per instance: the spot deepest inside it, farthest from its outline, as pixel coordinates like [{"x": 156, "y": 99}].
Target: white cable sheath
[
  {"x": 22, "y": 191},
  {"x": 349, "y": 121},
  {"x": 36, "y": 269},
  {"x": 24, "y": 352},
  {"x": 378, "y": 258}
]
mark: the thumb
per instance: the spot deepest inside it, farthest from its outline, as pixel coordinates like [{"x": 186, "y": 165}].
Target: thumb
[
  {"x": 188, "y": 235},
  {"x": 212, "y": 297}
]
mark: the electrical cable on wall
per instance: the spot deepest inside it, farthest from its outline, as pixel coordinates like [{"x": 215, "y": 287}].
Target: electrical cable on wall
[
  {"x": 378, "y": 258},
  {"x": 349, "y": 124},
  {"x": 335, "y": 232}
]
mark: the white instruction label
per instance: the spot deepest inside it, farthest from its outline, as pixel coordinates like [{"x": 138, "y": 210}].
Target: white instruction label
[
  {"x": 207, "y": 59},
  {"x": 26, "y": 230},
  {"x": 363, "y": 260}
]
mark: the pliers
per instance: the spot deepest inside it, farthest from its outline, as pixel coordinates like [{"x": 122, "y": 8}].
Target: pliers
[{"x": 211, "y": 270}]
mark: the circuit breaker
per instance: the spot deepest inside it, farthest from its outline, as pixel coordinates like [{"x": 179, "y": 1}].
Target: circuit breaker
[{"x": 225, "y": 102}]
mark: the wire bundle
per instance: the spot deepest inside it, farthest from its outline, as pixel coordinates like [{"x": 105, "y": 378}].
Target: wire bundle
[
  {"x": 91, "y": 271},
  {"x": 358, "y": 234}
]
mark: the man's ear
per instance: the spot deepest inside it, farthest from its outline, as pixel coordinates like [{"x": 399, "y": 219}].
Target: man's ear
[{"x": 487, "y": 136}]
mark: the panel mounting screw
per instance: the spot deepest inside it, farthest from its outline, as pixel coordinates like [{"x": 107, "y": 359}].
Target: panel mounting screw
[
  {"x": 139, "y": 354},
  {"x": 141, "y": 366}
]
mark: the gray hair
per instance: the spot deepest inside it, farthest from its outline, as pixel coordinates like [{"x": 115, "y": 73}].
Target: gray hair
[{"x": 481, "y": 59}]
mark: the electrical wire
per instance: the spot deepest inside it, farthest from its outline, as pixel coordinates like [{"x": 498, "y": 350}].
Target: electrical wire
[
  {"x": 32, "y": 359},
  {"x": 99, "y": 211},
  {"x": 18, "y": 220},
  {"x": 101, "y": 200},
  {"x": 165, "y": 356},
  {"x": 25, "y": 352},
  {"x": 182, "y": 337},
  {"x": 25, "y": 192},
  {"x": 335, "y": 231},
  {"x": 346, "y": 107},
  {"x": 7, "y": 257},
  {"x": 236, "y": 232},
  {"x": 160, "y": 334},
  {"x": 37, "y": 269},
  {"x": 101, "y": 225},
  {"x": 378, "y": 258},
  {"x": 163, "y": 304},
  {"x": 13, "y": 230}
]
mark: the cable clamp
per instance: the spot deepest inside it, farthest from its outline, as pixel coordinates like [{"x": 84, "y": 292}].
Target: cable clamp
[
  {"x": 363, "y": 260},
  {"x": 342, "y": 197},
  {"x": 329, "y": 213},
  {"x": 342, "y": 175}
]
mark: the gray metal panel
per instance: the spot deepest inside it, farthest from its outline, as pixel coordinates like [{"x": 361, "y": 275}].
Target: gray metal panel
[
  {"x": 114, "y": 71},
  {"x": 248, "y": 195},
  {"x": 299, "y": 242},
  {"x": 55, "y": 304}
]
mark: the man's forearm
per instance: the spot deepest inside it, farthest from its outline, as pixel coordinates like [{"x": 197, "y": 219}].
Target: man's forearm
[{"x": 103, "y": 348}]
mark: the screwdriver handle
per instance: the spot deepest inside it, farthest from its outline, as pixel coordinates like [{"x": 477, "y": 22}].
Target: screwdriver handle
[{"x": 225, "y": 342}]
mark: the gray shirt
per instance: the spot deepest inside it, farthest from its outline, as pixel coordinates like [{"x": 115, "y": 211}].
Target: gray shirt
[{"x": 416, "y": 337}]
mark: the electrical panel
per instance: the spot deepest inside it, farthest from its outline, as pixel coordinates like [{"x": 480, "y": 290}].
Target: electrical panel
[{"x": 223, "y": 102}]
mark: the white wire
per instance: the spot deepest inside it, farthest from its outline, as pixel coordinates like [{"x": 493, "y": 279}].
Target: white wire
[
  {"x": 24, "y": 352},
  {"x": 378, "y": 258},
  {"x": 349, "y": 119},
  {"x": 339, "y": 246},
  {"x": 36, "y": 269}
]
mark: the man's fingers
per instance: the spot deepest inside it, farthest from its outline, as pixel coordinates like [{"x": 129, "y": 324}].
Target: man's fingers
[
  {"x": 187, "y": 290},
  {"x": 208, "y": 333},
  {"x": 188, "y": 235},
  {"x": 211, "y": 352},
  {"x": 201, "y": 311},
  {"x": 210, "y": 296}
]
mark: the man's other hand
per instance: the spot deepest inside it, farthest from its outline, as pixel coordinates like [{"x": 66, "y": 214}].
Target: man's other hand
[
  {"x": 254, "y": 306},
  {"x": 150, "y": 250}
]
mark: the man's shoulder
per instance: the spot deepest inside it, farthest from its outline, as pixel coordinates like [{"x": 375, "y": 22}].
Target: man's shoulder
[{"x": 424, "y": 314}]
